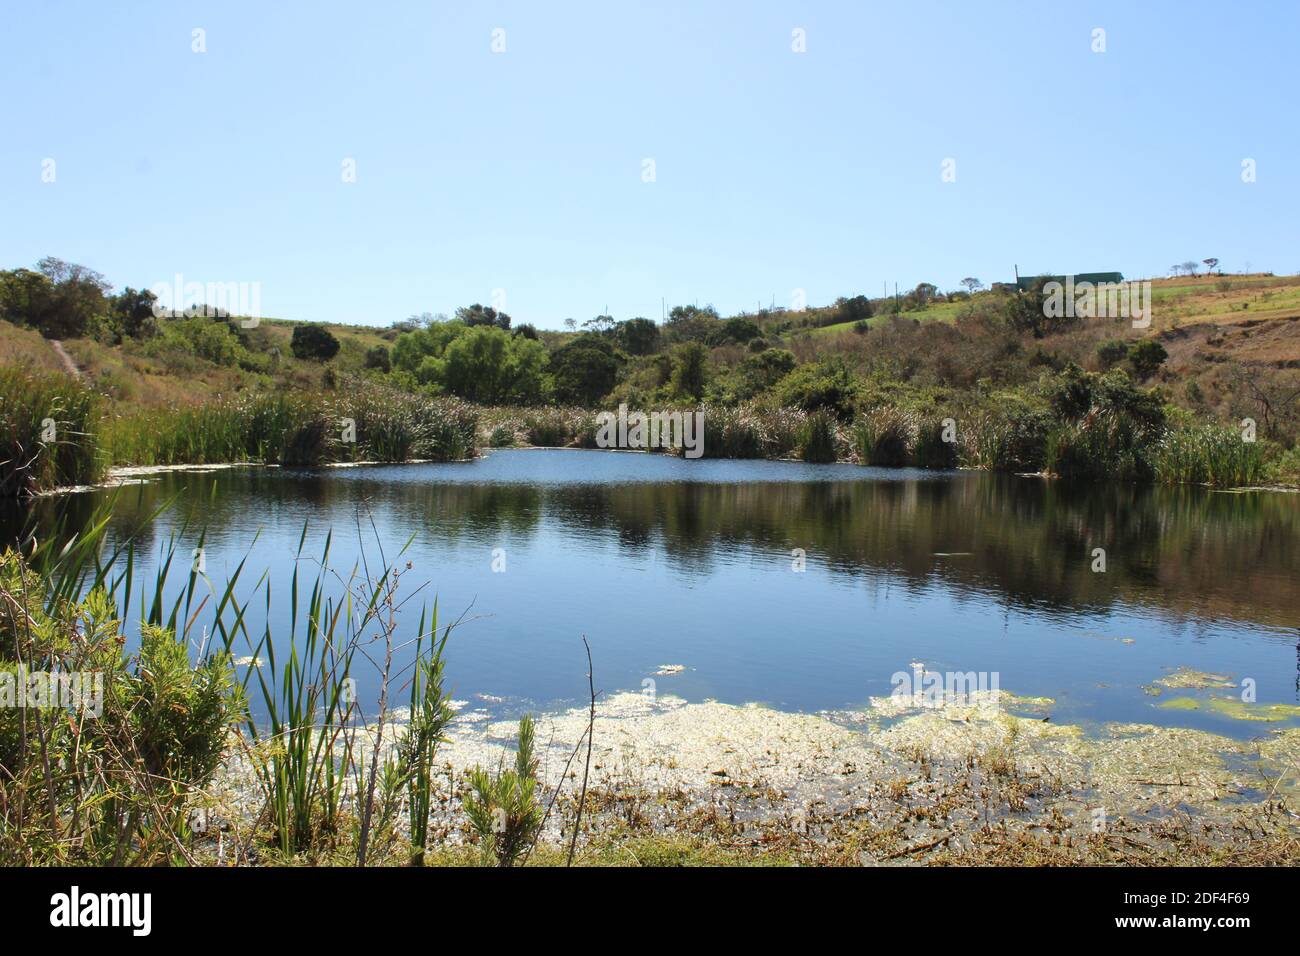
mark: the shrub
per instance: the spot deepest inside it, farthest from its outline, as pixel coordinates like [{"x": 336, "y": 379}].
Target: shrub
[
  {"x": 1112, "y": 352},
  {"x": 828, "y": 385},
  {"x": 113, "y": 790},
  {"x": 690, "y": 371},
  {"x": 379, "y": 358},
  {"x": 502, "y": 436},
  {"x": 313, "y": 343},
  {"x": 1147, "y": 356}
]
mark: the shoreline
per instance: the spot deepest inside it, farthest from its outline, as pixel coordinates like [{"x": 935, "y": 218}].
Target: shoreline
[
  {"x": 970, "y": 782},
  {"x": 120, "y": 475}
]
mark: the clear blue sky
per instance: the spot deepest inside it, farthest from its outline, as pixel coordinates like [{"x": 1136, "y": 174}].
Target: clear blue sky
[{"x": 522, "y": 170}]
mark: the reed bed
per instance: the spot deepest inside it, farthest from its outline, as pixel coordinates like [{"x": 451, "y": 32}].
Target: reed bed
[
  {"x": 884, "y": 436},
  {"x": 1209, "y": 454},
  {"x": 359, "y": 424},
  {"x": 47, "y": 421}
]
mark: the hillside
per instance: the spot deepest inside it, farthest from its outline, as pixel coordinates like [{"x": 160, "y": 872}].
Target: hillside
[{"x": 864, "y": 379}]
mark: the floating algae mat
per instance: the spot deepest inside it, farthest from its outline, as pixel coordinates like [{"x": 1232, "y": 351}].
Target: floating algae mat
[{"x": 1234, "y": 708}]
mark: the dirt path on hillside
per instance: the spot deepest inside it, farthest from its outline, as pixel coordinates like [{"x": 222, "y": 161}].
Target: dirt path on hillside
[{"x": 70, "y": 366}]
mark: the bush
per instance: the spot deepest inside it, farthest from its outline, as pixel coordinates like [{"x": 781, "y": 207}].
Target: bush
[
  {"x": 1147, "y": 356},
  {"x": 379, "y": 358},
  {"x": 584, "y": 370},
  {"x": 112, "y": 790},
  {"x": 313, "y": 343},
  {"x": 825, "y": 385},
  {"x": 1112, "y": 352},
  {"x": 690, "y": 371}
]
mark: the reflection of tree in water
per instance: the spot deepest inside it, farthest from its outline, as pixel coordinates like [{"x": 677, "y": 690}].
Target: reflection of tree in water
[{"x": 1028, "y": 540}]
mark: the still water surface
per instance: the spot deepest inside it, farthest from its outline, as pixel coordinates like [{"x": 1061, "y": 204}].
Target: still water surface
[{"x": 660, "y": 561}]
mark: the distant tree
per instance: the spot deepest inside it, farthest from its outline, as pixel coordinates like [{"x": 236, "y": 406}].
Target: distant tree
[
  {"x": 483, "y": 315},
  {"x": 601, "y": 324},
  {"x": 26, "y": 297},
  {"x": 689, "y": 323},
  {"x": 1028, "y": 311},
  {"x": 313, "y": 342},
  {"x": 738, "y": 329},
  {"x": 413, "y": 348},
  {"x": 1190, "y": 267},
  {"x": 1210, "y": 264},
  {"x": 526, "y": 329},
  {"x": 638, "y": 336},
  {"x": 854, "y": 309},
  {"x": 584, "y": 370},
  {"x": 379, "y": 357},
  {"x": 765, "y": 369},
  {"x": 690, "y": 370},
  {"x": 924, "y": 292},
  {"x": 972, "y": 284},
  {"x": 133, "y": 310},
  {"x": 70, "y": 302},
  {"x": 486, "y": 364},
  {"x": 571, "y": 324}
]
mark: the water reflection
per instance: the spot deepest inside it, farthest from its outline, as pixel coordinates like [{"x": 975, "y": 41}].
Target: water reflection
[{"x": 694, "y": 558}]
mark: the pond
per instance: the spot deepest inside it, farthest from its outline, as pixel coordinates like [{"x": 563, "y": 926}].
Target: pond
[{"x": 803, "y": 587}]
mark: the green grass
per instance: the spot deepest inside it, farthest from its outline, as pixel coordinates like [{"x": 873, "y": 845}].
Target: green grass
[{"x": 937, "y": 312}]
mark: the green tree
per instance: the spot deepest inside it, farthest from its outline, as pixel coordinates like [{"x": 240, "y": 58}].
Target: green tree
[
  {"x": 855, "y": 309},
  {"x": 483, "y": 315},
  {"x": 485, "y": 364},
  {"x": 412, "y": 348},
  {"x": 313, "y": 342},
  {"x": 690, "y": 370},
  {"x": 584, "y": 370},
  {"x": 687, "y": 323},
  {"x": 26, "y": 297},
  {"x": 133, "y": 311},
  {"x": 638, "y": 336},
  {"x": 738, "y": 329}
]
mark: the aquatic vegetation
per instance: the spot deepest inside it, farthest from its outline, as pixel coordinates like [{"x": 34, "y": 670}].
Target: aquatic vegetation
[
  {"x": 1209, "y": 454},
  {"x": 360, "y": 423},
  {"x": 883, "y": 437},
  {"x": 931, "y": 447},
  {"x": 820, "y": 441},
  {"x": 46, "y": 420},
  {"x": 1234, "y": 708}
]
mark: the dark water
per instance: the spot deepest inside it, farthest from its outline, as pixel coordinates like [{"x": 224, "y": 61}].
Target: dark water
[{"x": 663, "y": 561}]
